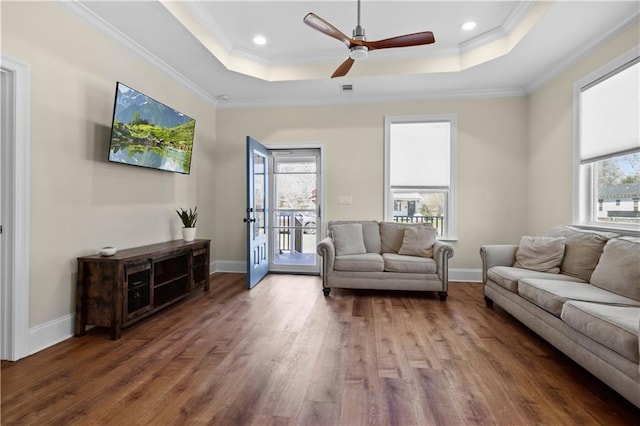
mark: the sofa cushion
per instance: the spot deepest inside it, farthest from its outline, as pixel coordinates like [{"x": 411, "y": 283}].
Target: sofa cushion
[
  {"x": 550, "y": 295},
  {"x": 619, "y": 267},
  {"x": 367, "y": 262},
  {"x": 615, "y": 327},
  {"x": 418, "y": 241},
  {"x": 413, "y": 264},
  {"x": 543, "y": 254},
  {"x": 508, "y": 276},
  {"x": 348, "y": 239},
  {"x": 370, "y": 233},
  {"x": 582, "y": 250},
  {"x": 392, "y": 234}
]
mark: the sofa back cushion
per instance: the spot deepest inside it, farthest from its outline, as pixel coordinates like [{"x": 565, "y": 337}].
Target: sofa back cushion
[
  {"x": 392, "y": 235},
  {"x": 582, "y": 251},
  {"x": 619, "y": 267},
  {"x": 418, "y": 241},
  {"x": 348, "y": 239},
  {"x": 370, "y": 233},
  {"x": 542, "y": 254}
]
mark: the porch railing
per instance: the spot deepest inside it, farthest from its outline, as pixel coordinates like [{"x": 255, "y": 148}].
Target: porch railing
[
  {"x": 289, "y": 231},
  {"x": 436, "y": 221}
]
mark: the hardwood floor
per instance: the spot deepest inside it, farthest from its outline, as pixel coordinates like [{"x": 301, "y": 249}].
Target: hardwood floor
[{"x": 283, "y": 354}]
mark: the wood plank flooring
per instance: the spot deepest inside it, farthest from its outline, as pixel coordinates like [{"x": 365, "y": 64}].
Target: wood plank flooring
[{"x": 283, "y": 354}]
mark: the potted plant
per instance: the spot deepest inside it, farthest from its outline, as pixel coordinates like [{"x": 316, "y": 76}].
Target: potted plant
[{"x": 189, "y": 219}]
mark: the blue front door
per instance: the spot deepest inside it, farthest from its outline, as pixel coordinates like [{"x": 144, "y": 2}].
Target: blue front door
[{"x": 257, "y": 212}]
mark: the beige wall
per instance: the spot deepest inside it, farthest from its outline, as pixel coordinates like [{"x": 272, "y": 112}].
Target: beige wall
[
  {"x": 514, "y": 155},
  {"x": 491, "y": 164},
  {"x": 79, "y": 201},
  {"x": 551, "y": 136},
  {"x": 514, "y": 159}
]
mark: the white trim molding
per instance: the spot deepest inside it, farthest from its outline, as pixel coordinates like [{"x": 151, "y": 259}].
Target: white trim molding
[
  {"x": 235, "y": 266},
  {"x": 465, "y": 275},
  {"x": 48, "y": 334},
  {"x": 15, "y": 295}
]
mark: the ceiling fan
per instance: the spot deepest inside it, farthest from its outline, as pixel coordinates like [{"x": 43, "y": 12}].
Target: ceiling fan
[{"x": 358, "y": 46}]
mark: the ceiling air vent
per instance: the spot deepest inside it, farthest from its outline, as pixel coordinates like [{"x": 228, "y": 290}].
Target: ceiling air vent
[{"x": 346, "y": 88}]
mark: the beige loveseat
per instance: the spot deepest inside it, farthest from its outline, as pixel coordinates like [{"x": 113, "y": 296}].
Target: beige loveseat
[
  {"x": 589, "y": 309},
  {"x": 384, "y": 256}
]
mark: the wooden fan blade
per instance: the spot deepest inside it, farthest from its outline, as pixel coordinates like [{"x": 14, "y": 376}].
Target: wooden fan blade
[
  {"x": 415, "y": 39},
  {"x": 317, "y": 23},
  {"x": 344, "y": 68}
]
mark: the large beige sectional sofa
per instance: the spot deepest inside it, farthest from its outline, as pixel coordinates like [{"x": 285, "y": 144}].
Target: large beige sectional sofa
[
  {"x": 589, "y": 309},
  {"x": 384, "y": 256}
]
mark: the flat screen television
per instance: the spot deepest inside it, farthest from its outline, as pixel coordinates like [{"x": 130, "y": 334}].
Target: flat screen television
[{"x": 147, "y": 133}]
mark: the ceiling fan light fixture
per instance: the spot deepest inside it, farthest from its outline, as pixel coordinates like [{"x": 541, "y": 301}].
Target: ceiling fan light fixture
[
  {"x": 468, "y": 26},
  {"x": 358, "y": 52}
]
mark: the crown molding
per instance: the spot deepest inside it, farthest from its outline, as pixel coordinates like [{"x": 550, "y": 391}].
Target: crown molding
[
  {"x": 505, "y": 29},
  {"x": 350, "y": 99},
  {"x": 578, "y": 55},
  {"x": 81, "y": 11}
]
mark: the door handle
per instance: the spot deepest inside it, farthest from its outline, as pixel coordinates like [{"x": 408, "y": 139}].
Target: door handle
[{"x": 245, "y": 220}]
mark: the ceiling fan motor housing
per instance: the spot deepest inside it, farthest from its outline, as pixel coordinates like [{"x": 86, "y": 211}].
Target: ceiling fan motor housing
[{"x": 358, "y": 52}]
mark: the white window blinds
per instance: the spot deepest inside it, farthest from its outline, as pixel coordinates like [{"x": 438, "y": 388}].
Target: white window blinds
[
  {"x": 610, "y": 114},
  {"x": 420, "y": 154}
]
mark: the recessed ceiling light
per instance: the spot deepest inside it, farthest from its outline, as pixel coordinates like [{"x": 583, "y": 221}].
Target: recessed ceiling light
[
  {"x": 260, "y": 40},
  {"x": 468, "y": 26}
]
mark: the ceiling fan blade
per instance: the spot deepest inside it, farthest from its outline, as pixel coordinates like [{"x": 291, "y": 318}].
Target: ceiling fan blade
[
  {"x": 317, "y": 23},
  {"x": 344, "y": 68},
  {"x": 415, "y": 39}
]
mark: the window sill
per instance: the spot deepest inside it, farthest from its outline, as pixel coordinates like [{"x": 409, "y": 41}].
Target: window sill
[
  {"x": 627, "y": 231},
  {"x": 448, "y": 240}
]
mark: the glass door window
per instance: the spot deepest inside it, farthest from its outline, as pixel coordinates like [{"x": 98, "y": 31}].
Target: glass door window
[{"x": 296, "y": 218}]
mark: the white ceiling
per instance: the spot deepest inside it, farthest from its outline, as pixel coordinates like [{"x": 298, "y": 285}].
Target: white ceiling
[{"x": 207, "y": 45}]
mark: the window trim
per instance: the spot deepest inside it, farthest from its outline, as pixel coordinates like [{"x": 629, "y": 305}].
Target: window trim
[
  {"x": 387, "y": 207},
  {"x": 584, "y": 199}
]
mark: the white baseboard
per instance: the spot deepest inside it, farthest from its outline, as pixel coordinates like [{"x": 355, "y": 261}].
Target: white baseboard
[
  {"x": 48, "y": 334},
  {"x": 228, "y": 266},
  {"x": 465, "y": 275}
]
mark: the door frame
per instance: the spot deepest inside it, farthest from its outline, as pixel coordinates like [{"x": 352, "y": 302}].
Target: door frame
[
  {"x": 15, "y": 213},
  {"x": 321, "y": 200}
]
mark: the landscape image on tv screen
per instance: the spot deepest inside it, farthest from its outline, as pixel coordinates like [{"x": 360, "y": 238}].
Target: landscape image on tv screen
[{"x": 148, "y": 133}]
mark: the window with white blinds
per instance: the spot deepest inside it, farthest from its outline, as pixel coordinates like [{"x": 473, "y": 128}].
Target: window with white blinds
[
  {"x": 419, "y": 178},
  {"x": 608, "y": 146},
  {"x": 610, "y": 114}
]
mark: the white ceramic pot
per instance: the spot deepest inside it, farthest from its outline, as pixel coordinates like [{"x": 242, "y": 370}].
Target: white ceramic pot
[{"x": 189, "y": 234}]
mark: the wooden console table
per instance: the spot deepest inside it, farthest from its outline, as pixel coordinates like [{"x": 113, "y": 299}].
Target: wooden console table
[{"x": 119, "y": 290}]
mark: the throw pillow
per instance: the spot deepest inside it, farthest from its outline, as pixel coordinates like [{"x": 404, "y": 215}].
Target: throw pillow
[
  {"x": 619, "y": 267},
  {"x": 392, "y": 234},
  {"x": 582, "y": 250},
  {"x": 542, "y": 254},
  {"x": 418, "y": 241},
  {"x": 348, "y": 239}
]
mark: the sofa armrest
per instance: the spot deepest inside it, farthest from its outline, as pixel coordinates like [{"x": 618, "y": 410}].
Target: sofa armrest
[
  {"x": 497, "y": 255},
  {"x": 442, "y": 252},
  {"x": 327, "y": 250}
]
